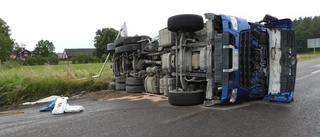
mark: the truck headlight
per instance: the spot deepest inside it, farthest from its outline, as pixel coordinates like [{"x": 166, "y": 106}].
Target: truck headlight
[
  {"x": 233, "y": 97},
  {"x": 234, "y": 23}
]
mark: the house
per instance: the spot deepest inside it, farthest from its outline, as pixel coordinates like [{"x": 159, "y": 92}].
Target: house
[
  {"x": 13, "y": 57},
  {"x": 60, "y": 56},
  {"x": 25, "y": 54},
  {"x": 69, "y": 53}
]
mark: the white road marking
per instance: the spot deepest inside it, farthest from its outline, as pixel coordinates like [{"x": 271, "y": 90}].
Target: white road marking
[
  {"x": 312, "y": 73},
  {"x": 315, "y": 71}
]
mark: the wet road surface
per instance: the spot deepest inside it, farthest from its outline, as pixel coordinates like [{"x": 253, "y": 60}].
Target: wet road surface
[{"x": 144, "y": 115}]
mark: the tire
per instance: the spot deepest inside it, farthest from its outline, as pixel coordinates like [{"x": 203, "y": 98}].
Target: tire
[
  {"x": 120, "y": 87},
  {"x": 132, "y": 81},
  {"x": 119, "y": 42},
  {"x": 135, "y": 89},
  {"x": 112, "y": 85},
  {"x": 111, "y": 47},
  {"x": 185, "y": 22},
  {"x": 132, "y": 40},
  {"x": 121, "y": 79},
  {"x": 119, "y": 49},
  {"x": 186, "y": 98},
  {"x": 131, "y": 47}
]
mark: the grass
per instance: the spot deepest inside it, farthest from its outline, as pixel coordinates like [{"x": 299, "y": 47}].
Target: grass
[
  {"x": 308, "y": 55},
  {"x": 29, "y": 83}
]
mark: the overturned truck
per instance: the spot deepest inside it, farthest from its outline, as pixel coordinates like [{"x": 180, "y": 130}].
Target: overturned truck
[{"x": 222, "y": 61}]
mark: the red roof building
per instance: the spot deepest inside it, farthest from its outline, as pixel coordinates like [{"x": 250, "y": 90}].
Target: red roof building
[{"x": 25, "y": 54}]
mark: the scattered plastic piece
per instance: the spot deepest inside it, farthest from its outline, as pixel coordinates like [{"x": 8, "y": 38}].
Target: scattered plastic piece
[{"x": 45, "y": 100}]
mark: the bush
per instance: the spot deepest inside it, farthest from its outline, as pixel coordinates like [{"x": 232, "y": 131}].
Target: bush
[
  {"x": 9, "y": 65},
  {"x": 94, "y": 59},
  {"x": 40, "y": 60},
  {"x": 83, "y": 58},
  {"x": 30, "y": 61},
  {"x": 53, "y": 60},
  {"x": 74, "y": 60},
  {"x": 103, "y": 57}
]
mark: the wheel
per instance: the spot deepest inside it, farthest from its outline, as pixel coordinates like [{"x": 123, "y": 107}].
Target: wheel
[
  {"x": 120, "y": 87},
  {"x": 111, "y": 47},
  {"x": 119, "y": 41},
  {"x": 187, "y": 98},
  {"x": 112, "y": 85},
  {"x": 132, "y": 40},
  {"x": 119, "y": 49},
  {"x": 185, "y": 22},
  {"x": 135, "y": 89},
  {"x": 132, "y": 81},
  {"x": 121, "y": 79},
  {"x": 131, "y": 47}
]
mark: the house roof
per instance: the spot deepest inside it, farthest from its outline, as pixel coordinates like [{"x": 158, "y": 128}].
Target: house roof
[
  {"x": 13, "y": 56},
  {"x": 24, "y": 51},
  {"x": 73, "y": 52},
  {"x": 60, "y": 55}
]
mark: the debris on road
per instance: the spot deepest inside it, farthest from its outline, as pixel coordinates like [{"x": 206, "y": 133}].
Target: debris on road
[
  {"x": 11, "y": 112},
  {"x": 45, "y": 100},
  {"x": 60, "y": 106}
]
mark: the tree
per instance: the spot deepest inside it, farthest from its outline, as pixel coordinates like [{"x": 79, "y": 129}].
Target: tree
[
  {"x": 17, "y": 48},
  {"x": 6, "y": 43},
  {"x": 44, "y": 48},
  {"x": 102, "y": 38},
  {"x": 306, "y": 28}
]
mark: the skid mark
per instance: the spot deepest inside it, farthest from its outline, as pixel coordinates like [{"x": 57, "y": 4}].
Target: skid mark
[
  {"x": 137, "y": 98},
  {"x": 184, "y": 116}
]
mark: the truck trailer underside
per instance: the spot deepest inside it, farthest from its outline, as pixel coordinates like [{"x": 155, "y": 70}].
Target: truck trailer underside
[{"x": 221, "y": 61}]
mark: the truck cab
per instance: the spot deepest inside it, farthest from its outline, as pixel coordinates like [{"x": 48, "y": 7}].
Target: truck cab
[{"x": 224, "y": 60}]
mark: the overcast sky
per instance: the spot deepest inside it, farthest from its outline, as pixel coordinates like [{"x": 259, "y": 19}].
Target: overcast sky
[{"x": 73, "y": 23}]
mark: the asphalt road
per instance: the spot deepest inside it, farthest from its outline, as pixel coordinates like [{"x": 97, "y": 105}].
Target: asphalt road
[{"x": 153, "y": 116}]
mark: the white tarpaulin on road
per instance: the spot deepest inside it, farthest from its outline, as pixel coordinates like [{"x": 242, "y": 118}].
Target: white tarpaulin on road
[{"x": 62, "y": 106}]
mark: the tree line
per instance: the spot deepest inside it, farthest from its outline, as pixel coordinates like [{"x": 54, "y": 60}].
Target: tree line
[
  {"x": 306, "y": 28},
  {"x": 44, "y": 50}
]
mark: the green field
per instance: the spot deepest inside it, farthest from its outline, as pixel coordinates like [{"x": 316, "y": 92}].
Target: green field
[
  {"x": 308, "y": 55},
  {"x": 29, "y": 83}
]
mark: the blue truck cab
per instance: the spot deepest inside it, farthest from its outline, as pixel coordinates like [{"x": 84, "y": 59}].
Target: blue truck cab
[{"x": 265, "y": 55}]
